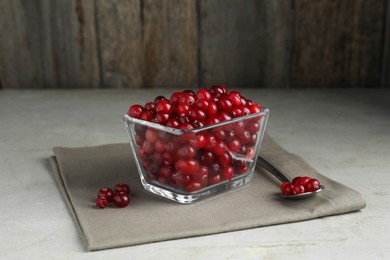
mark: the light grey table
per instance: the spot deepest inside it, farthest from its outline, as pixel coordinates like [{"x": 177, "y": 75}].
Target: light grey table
[{"x": 344, "y": 134}]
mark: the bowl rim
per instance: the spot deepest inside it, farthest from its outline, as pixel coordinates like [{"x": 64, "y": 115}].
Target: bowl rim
[{"x": 128, "y": 119}]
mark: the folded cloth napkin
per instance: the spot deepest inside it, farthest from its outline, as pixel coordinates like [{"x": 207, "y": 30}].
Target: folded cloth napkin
[{"x": 81, "y": 172}]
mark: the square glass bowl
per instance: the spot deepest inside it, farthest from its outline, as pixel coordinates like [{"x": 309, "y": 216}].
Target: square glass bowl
[{"x": 190, "y": 165}]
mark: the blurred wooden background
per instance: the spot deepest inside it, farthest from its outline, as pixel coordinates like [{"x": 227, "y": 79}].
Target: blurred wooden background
[{"x": 189, "y": 43}]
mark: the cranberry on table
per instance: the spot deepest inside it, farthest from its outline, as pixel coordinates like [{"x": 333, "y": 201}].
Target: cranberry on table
[
  {"x": 122, "y": 187},
  {"x": 106, "y": 193},
  {"x": 101, "y": 203},
  {"x": 121, "y": 199}
]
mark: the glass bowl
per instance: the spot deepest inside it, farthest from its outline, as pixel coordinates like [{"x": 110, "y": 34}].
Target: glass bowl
[{"x": 190, "y": 165}]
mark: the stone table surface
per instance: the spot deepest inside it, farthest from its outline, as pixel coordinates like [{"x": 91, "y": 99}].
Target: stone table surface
[{"x": 344, "y": 134}]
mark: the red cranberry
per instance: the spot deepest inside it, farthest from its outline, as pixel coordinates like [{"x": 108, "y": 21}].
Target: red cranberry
[
  {"x": 218, "y": 90},
  {"x": 312, "y": 185},
  {"x": 121, "y": 200},
  {"x": 234, "y": 145},
  {"x": 188, "y": 166},
  {"x": 151, "y": 135},
  {"x": 180, "y": 180},
  {"x": 235, "y": 98},
  {"x": 162, "y": 118},
  {"x": 287, "y": 188},
  {"x": 136, "y": 111},
  {"x": 212, "y": 109},
  {"x": 206, "y": 157},
  {"x": 185, "y": 152},
  {"x": 174, "y": 123},
  {"x": 219, "y": 148},
  {"x": 197, "y": 114},
  {"x": 226, "y": 173},
  {"x": 106, "y": 193},
  {"x": 224, "y": 159},
  {"x": 201, "y": 175},
  {"x": 150, "y": 106},
  {"x": 301, "y": 180},
  {"x": 147, "y": 116},
  {"x": 225, "y": 104},
  {"x": 101, "y": 203},
  {"x": 214, "y": 179},
  {"x": 193, "y": 186},
  {"x": 159, "y": 98},
  {"x": 175, "y": 98},
  {"x": 203, "y": 94},
  {"x": 122, "y": 187},
  {"x": 298, "y": 189},
  {"x": 183, "y": 109},
  {"x": 187, "y": 99}
]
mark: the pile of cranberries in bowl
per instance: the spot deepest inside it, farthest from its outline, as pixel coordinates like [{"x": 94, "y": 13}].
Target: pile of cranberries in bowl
[{"x": 196, "y": 143}]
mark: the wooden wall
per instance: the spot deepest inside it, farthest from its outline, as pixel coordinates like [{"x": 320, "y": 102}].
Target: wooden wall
[{"x": 194, "y": 43}]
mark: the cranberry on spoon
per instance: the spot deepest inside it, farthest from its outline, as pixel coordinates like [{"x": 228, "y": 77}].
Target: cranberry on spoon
[{"x": 299, "y": 188}]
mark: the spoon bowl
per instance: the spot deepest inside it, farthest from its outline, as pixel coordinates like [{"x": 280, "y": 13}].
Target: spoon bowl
[{"x": 282, "y": 178}]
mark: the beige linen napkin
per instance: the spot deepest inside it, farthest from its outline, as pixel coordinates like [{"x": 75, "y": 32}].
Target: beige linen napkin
[{"x": 81, "y": 172}]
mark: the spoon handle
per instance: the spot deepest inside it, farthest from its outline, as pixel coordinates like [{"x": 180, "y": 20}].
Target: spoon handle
[{"x": 270, "y": 168}]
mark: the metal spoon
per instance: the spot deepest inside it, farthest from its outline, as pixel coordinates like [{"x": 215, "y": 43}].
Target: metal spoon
[{"x": 282, "y": 178}]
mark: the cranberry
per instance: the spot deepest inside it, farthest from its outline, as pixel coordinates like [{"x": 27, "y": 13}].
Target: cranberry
[
  {"x": 175, "y": 98},
  {"x": 234, "y": 145},
  {"x": 225, "y": 104},
  {"x": 187, "y": 99},
  {"x": 203, "y": 94},
  {"x": 235, "y": 98},
  {"x": 174, "y": 123},
  {"x": 189, "y": 91},
  {"x": 298, "y": 189},
  {"x": 183, "y": 109},
  {"x": 147, "y": 147},
  {"x": 236, "y": 112},
  {"x": 180, "y": 180},
  {"x": 185, "y": 152},
  {"x": 218, "y": 90},
  {"x": 166, "y": 171},
  {"x": 122, "y": 187},
  {"x": 226, "y": 173},
  {"x": 193, "y": 186},
  {"x": 212, "y": 109},
  {"x": 245, "y": 137},
  {"x": 206, "y": 157},
  {"x": 159, "y": 98},
  {"x": 159, "y": 146},
  {"x": 106, "y": 193},
  {"x": 150, "y": 106},
  {"x": 210, "y": 142},
  {"x": 188, "y": 166},
  {"x": 212, "y": 120},
  {"x": 121, "y": 199},
  {"x": 201, "y": 175},
  {"x": 162, "y": 118},
  {"x": 301, "y": 180},
  {"x": 199, "y": 141},
  {"x": 136, "y": 111},
  {"x": 312, "y": 185},
  {"x": 214, "y": 179},
  {"x": 224, "y": 159},
  {"x": 147, "y": 116},
  {"x": 139, "y": 139},
  {"x": 219, "y": 148},
  {"x": 101, "y": 203},
  {"x": 197, "y": 114},
  {"x": 287, "y": 188},
  {"x": 241, "y": 167},
  {"x": 253, "y": 127},
  {"x": 255, "y": 108},
  {"x": 202, "y": 104},
  {"x": 219, "y": 134}
]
